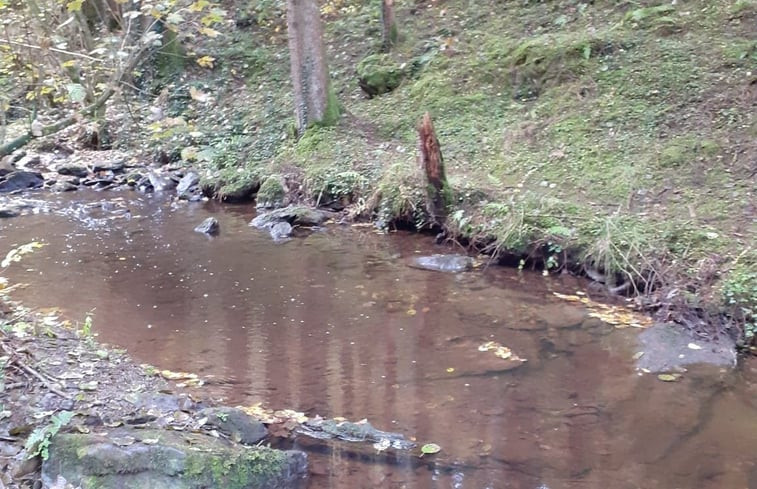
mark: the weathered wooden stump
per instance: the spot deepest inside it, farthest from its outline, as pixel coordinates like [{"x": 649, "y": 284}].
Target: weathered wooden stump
[{"x": 432, "y": 162}]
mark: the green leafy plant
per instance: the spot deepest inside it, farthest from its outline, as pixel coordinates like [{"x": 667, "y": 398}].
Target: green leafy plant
[
  {"x": 38, "y": 442},
  {"x": 739, "y": 293}
]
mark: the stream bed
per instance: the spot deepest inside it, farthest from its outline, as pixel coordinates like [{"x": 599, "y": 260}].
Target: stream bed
[{"x": 335, "y": 323}]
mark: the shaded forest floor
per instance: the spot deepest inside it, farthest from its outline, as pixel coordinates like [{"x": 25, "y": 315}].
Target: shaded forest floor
[{"x": 613, "y": 139}]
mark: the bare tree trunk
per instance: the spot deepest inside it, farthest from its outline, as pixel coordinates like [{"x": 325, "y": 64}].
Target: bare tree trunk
[
  {"x": 390, "y": 25},
  {"x": 314, "y": 99},
  {"x": 430, "y": 158}
]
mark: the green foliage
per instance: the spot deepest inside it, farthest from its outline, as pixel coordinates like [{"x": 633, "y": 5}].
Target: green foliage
[
  {"x": 739, "y": 293},
  {"x": 38, "y": 442}
]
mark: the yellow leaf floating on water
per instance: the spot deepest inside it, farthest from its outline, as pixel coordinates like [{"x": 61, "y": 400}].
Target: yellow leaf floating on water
[
  {"x": 669, "y": 377},
  {"x": 411, "y": 312},
  {"x": 500, "y": 351},
  {"x": 450, "y": 370},
  {"x": 618, "y": 316}
]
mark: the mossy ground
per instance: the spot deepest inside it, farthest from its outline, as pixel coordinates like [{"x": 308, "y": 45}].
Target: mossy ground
[{"x": 615, "y": 136}]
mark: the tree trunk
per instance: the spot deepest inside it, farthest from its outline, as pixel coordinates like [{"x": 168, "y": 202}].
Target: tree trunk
[
  {"x": 390, "y": 25},
  {"x": 314, "y": 99},
  {"x": 430, "y": 158}
]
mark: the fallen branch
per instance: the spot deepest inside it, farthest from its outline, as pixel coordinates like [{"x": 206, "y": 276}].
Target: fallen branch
[{"x": 41, "y": 378}]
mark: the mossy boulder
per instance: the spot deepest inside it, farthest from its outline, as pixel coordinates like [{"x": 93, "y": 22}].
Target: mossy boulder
[
  {"x": 379, "y": 73},
  {"x": 161, "y": 459},
  {"x": 271, "y": 194}
]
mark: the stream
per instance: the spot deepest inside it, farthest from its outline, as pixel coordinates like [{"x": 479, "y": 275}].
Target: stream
[{"x": 334, "y": 322}]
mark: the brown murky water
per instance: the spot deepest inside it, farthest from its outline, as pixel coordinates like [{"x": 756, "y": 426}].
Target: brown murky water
[{"x": 336, "y": 324}]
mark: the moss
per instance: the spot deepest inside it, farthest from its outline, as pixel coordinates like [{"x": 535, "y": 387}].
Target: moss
[
  {"x": 271, "y": 192},
  {"x": 250, "y": 468},
  {"x": 379, "y": 74}
]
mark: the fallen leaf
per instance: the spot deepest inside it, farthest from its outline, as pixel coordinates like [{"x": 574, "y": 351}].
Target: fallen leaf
[
  {"x": 669, "y": 377},
  {"x": 430, "y": 449}
]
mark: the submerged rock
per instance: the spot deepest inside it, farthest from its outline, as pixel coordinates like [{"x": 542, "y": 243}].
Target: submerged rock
[
  {"x": 294, "y": 215},
  {"x": 162, "y": 459},
  {"x": 443, "y": 263},
  {"x": 208, "y": 226},
  {"x": 20, "y": 180},
  {"x": 668, "y": 347}
]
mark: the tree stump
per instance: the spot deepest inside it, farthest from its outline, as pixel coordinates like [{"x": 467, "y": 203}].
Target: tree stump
[{"x": 430, "y": 158}]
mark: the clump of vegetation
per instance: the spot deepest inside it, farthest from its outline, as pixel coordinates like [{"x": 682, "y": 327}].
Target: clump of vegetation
[
  {"x": 739, "y": 295},
  {"x": 38, "y": 443},
  {"x": 379, "y": 74}
]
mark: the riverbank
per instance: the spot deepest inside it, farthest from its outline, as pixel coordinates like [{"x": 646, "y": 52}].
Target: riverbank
[{"x": 78, "y": 413}]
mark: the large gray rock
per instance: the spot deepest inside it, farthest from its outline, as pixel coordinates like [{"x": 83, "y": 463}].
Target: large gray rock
[
  {"x": 128, "y": 458},
  {"x": 668, "y": 347},
  {"x": 443, "y": 263},
  {"x": 208, "y": 226},
  {"x": 294, "y": 215},
  {"x": 20, "y": 180},
  {"x": 240, "y": 426}
]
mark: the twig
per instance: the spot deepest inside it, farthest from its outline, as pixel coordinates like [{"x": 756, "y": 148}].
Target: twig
[
  {"x": 56, "y": 50},
  {"x": 35, "y": 373}
]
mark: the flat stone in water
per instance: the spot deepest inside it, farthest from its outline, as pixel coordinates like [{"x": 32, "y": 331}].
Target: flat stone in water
[
  {"x": 443, "y": 263},
  {"x": 668, "y": 347}
]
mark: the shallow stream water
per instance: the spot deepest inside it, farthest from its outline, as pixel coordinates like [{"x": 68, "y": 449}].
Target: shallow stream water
[{"x": 335, "y": 323}]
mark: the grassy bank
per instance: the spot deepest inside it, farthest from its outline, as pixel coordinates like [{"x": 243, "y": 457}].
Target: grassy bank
[{"x": 616, "y": 139}]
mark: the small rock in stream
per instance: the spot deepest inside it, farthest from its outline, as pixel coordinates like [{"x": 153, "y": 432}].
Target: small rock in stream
[
  {"x": 208, "y": 226},
  {"x": 443, "y": 263},
  {"x": 188, "y": 188},
  {"x": 281, "y": 231}
]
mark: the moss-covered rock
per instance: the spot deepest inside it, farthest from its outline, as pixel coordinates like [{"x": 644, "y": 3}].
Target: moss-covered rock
[
  {"x": 379, "y": 73},
  {"x": 162, "y": 459},
  {"x": 271, "y": 194}
]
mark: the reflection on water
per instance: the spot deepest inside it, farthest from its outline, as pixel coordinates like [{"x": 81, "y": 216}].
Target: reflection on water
[{"x": 335, "y": 323}]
